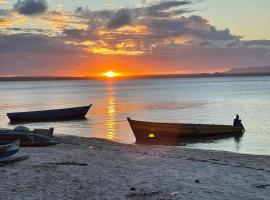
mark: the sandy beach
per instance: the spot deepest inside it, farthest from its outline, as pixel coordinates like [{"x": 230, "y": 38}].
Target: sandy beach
[{"x": 101, "y": 169}]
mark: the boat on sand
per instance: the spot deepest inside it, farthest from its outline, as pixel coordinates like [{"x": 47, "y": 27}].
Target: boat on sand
[
  {"x": 37, "y": 137},
  {"x": 49, "y": 115},
  {"x": 8, "y": 149},
  {"x": 151, "y": 132}
]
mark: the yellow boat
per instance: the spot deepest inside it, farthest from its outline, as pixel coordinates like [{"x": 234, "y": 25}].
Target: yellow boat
[{"x": 146, "y": 132}]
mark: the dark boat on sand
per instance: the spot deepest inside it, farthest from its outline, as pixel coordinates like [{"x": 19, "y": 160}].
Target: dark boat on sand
[
  {"x": 38, "y": 137},
  {"x": 49, "y": 115},
  {"x": 171, "y": 133},
  {"x": 8, "y": 149}
]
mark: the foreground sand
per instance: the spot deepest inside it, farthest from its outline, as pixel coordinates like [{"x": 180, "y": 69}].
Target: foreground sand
[{"x": 100, "y": 169}]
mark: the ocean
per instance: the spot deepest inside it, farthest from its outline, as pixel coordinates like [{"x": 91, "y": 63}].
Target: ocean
[{"x": 213, "y": 100}]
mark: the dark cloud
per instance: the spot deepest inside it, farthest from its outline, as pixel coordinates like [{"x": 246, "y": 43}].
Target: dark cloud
[
  {"x": 163, "y": 9},
  {"x": 114, "y": 19},
  {"x": 29, "y": 30},
  {"x": 206, "y": 43},
  {"x": 37, "y": 54},
  {"x": 120, "y": 18},
  {"x": 257, "y": 44},
  {"x": 92, "y": 15},
  {"x": 31, "y": 7},
  {"x": 75, "y": 34},
  {"x": 167, "y": 5},
  {"x": 164, "y": 22},
  {"x": 35, "y": 44}
]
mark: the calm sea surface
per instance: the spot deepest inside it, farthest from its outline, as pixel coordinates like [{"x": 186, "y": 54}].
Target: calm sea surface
[{"x": 192, "y": 100}]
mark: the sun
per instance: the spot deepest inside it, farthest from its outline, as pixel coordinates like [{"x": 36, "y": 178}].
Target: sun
[{"x": 110, "y": 74}]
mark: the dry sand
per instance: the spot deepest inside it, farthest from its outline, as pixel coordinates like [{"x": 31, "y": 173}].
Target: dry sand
[{"x": 101, "y": 169}]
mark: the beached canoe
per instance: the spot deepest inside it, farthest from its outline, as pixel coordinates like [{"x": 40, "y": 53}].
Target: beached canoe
[
  {"x": 8, "y": 149},
  {"x": 29, "y": 138},
  {"x": 49, "y": 115},
  {"x": 146, "y": 132}
]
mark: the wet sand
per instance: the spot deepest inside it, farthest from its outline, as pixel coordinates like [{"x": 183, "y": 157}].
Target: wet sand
[{"x": 101, "y": 169}]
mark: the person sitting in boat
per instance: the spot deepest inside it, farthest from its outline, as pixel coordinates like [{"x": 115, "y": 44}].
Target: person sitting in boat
[{"x": 237, "y": 122}]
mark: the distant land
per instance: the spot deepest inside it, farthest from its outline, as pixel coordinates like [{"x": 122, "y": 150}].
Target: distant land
[{"x": 248, "y": 71}]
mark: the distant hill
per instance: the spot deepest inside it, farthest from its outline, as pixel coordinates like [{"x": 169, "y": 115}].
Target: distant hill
[{"x": 249, "y": 70}]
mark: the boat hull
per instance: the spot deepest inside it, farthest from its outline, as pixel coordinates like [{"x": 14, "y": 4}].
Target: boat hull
[
  {"x": 27, "y": 139},
  {"x": 170, "y": 133},
  {"x": 49, "y": 115},
  {"x": 9, "y": 149}
]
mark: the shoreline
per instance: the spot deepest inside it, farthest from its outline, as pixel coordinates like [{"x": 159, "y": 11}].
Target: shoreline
[
  {"x": 133, "y": 77},
  {"x": 103, "y": 169}
]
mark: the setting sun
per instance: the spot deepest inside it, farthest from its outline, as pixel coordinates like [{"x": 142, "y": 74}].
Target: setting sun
[{"x": 110, "y": 74}]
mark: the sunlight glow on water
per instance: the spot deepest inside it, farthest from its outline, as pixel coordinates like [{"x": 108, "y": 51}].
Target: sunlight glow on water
[{"x": 111, "y": 112}]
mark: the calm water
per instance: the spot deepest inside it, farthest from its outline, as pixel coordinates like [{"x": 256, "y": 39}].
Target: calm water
[{"x": 194, "y": 100}]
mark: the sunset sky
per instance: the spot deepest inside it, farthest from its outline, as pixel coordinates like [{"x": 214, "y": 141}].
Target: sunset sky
[{"x": 88, "y": 38}]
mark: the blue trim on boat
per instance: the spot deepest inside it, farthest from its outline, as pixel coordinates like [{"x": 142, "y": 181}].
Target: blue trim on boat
[{"x": 8, "y": 153}]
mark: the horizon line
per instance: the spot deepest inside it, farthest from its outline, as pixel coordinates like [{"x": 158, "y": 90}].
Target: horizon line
[{"x": 193, "y": 75}]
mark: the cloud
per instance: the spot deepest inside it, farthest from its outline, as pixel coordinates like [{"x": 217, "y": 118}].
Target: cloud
[
  {"x": 5, "y": 18},
  {"x": 120, "y": 18},
  {"x": 146, "y": 29},
  {"x": 161, "y": 37},
  {"x": 35, "y": 44},
  {"x": 206, "y": 43},
  {"x": 8, "y": 18},
  {"x": 4, "y": 12},
  {"x": 113, "y": 19},
  {"x": 257, "y": 44},
  {"x": 31, "y": 7},
  {"x": 167, "y": 5},
  {"x": 267, "y": 55},
  {"x": 62, "y": 20},
  {"x": 37, "y": 54}
]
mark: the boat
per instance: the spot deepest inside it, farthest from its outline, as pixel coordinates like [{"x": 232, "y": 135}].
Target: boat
[
  {"x": 49, "y": 115},
  {"x": 170, "y": 133},
  {"x": 29, "y": 138},
  {"x": 8, "y": 149}
]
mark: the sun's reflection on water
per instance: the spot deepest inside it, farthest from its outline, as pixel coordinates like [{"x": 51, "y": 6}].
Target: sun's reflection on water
[{"x": 111, "y": 112}]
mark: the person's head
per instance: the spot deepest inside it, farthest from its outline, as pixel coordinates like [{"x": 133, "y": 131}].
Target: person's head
[{"x": 237, "y": 116}]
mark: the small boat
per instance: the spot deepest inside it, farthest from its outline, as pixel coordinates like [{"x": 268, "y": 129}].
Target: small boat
[
  {"x": 49, "y": 115},
  {"x": 170, "y": 133},
  {"x": 29, "y": 138},
  {"x": 8, "y": 149}
]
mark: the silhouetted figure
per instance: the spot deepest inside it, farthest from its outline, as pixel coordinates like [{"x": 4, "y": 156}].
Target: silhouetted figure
[{"x": 238, "y": 122}]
